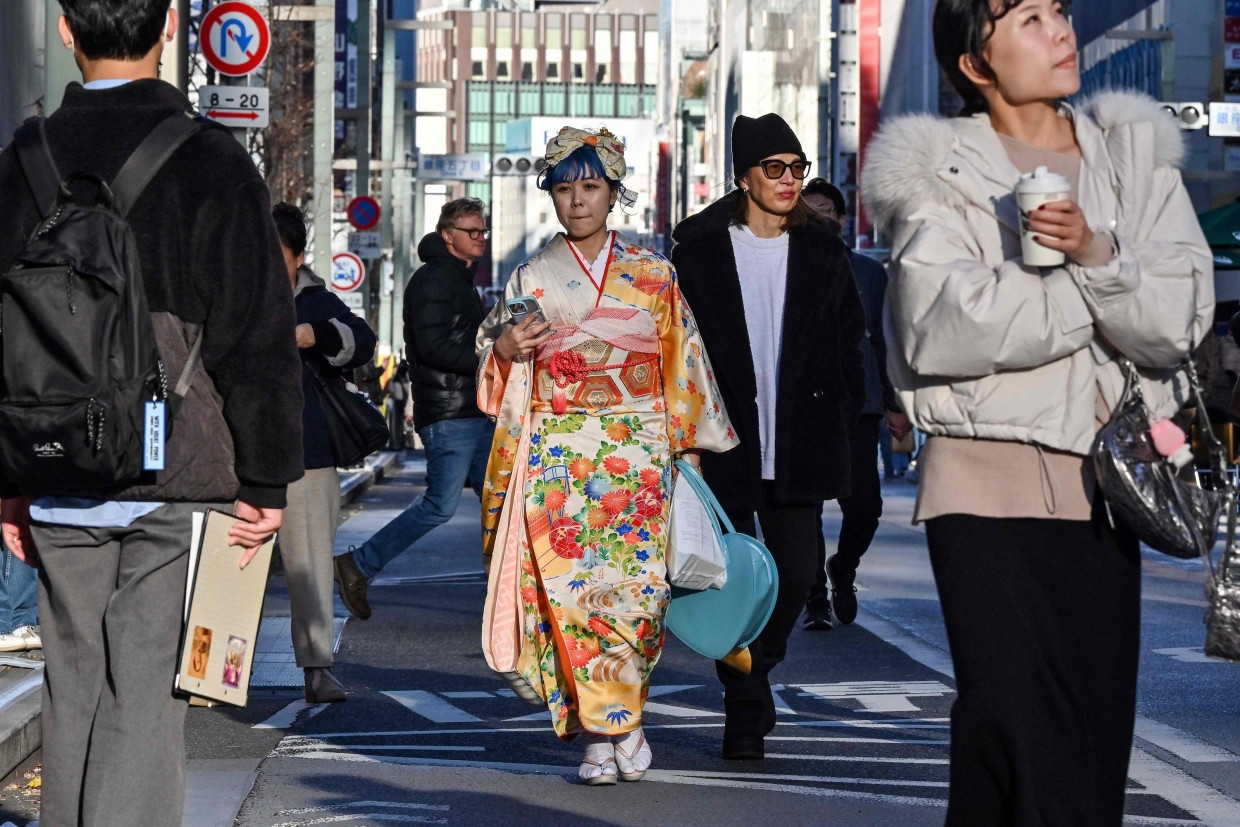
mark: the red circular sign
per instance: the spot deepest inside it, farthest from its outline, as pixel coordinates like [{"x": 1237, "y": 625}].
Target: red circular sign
[
  {"x": 363, "y": 212},
  {"x": 234, "y": 37},
  {"x": 347, "y": 272}
]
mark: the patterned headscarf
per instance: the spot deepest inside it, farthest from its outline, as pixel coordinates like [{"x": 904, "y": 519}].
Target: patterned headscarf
[{"x": 610, "y": 149}]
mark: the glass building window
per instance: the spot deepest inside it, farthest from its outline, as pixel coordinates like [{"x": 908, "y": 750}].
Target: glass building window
[
  {"x": 479, "y": 99},
  {"x": 479, "y": 135},
  {"x": 505, "y": 99},
  {"x": 651, "y": 72},
  {"x": 602, "y": 55},
  {"x": 478, "y": 189},
  {"x": 501, "y": 70},
  {"x": 553, "y": 99},
  {"x": 629, "y": 102},
  {"x": 604, "y": 101},
  {"x": 579, "y": 102},
  {"x": 554, "y": 34},
  {"x": 628, "y": 56},
  {"x": 478, "y": 70},
  {"x": 553, "y": 70},
  {"x": 478, "y": 30},
  {"x": 528, "y": 100},
  {"x": 527, "y": 71},
  {"x": 577, "y": 38}
]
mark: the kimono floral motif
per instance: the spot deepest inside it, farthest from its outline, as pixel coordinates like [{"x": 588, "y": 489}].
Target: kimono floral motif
[{"x": 593, "y": 494}]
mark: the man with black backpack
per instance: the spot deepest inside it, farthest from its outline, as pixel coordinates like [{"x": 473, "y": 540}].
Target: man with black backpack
[{"x": 147, "y": 371}]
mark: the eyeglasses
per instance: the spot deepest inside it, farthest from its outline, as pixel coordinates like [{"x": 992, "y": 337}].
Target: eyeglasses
[
  {"x": 773, "y": 168},
  {"x": 473, "y": 233}
]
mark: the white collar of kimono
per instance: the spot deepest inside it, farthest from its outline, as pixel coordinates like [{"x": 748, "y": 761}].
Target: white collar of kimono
[{"x": 597, "y": 269}]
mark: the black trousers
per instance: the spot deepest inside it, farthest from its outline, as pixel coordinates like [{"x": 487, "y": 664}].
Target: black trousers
[
  {"x": 1043, "y": 619},
  {"x": 788, "y": 532},
  {"x": 861, "y": 509}
]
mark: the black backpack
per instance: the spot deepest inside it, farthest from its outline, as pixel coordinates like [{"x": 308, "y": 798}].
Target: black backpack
[{"x": 78, "y": 357}]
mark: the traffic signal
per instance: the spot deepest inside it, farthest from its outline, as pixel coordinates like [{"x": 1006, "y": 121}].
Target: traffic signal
[
  {"x": 1189, "y": 114},
  {"x": 518, "y": 165}
]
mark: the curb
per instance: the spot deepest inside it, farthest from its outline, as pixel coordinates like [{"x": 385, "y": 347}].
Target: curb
[{"x": 21, "y": 717}]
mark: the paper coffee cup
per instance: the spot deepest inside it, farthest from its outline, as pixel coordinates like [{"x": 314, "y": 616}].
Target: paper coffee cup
[{"x": 1032, "y": 191}]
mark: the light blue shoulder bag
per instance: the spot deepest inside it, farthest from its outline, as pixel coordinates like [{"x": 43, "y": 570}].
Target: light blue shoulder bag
[{"x": 714, "y": 622}]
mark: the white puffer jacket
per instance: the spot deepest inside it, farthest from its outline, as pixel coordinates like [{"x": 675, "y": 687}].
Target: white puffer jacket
[{"x": 981, "y": 346}]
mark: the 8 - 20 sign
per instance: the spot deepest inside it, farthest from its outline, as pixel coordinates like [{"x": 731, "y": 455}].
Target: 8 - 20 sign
[{"x": 242, "y": 107}]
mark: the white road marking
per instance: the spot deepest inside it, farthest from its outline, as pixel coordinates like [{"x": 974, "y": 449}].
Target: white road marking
[
  {"x": 393, "y": 817},
  {"x": 920, "y": 650},
  {"x": 23, "y": 687},
  {"x": 781, "y": 706},
  {"x": 865, "y": 759},
  {"x": 864, "y": 724},
  {"x": 1180, "y": 744},
  {"x": 1181, "y": 601},
  {"x": 877, "y": 696},
  {"x": 383, "y": 747},
  {"x": 1188, "y": 654},
  {"x": 466, "y": 695},
  {"x": 1182, "y": 790},
  {"x": 397, "y": 805},
  {"x": 432, "y": 707},
  {"x": 296, "y": 712},
  {"x": 847, "y": 740}
]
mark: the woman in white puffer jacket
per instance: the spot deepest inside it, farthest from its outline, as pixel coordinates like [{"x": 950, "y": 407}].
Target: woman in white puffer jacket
[{"x": 1012, "y": 369}]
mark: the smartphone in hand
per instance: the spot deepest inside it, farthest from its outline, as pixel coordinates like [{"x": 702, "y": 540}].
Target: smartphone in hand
[{"x": 521, "y": 306}]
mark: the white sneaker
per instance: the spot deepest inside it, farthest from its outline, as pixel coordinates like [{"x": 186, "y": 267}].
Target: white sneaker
[{"x": 21, "y": 639}]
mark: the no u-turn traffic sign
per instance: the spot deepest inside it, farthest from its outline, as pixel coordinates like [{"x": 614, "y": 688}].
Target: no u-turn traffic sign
[{"x": 235, "y": 38}]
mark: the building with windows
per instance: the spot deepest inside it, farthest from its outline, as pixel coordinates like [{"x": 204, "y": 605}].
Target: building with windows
[{"x": 587, "y": 64}]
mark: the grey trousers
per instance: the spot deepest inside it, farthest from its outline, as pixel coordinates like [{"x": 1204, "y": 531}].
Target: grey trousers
[
  {"x": 110, "y": 612},
  {"x": 306, "y": 538}
]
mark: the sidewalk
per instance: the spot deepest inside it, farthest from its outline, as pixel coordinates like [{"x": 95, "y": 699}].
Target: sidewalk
[{"x": 21, "y": 732}]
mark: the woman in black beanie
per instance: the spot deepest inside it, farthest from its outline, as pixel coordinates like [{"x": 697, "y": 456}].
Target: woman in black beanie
[{"x": 779, "y": 313}]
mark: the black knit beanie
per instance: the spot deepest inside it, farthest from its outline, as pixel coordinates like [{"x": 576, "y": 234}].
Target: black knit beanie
[{"x": 756, "y": 138}]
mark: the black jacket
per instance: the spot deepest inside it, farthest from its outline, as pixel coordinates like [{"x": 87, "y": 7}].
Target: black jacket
[
  {"x": 442, "y": 315},
  {"x": 821, "y": 381},
  {"x": 871, "y": 276},
  {"x": 331, "y": 355},
  {"x": 210, "y": 263}
]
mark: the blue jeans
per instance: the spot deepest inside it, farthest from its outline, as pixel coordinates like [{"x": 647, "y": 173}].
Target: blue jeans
[
  {"x": 19, "y": 594},
  {"x": 456, "y": 450}
]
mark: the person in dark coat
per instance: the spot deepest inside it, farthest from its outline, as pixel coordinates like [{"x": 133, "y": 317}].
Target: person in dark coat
[
  {"x": 863, "y": 506},
  {"x": 442, "y": 315},
  {"x": 330, "y": 340},
  {"x": 778, "y": 309}
]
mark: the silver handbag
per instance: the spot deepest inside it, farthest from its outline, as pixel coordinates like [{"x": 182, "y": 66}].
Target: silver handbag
[
  {"x": 1223, "y": 595},
  {"x": 1143, "y": 489}
]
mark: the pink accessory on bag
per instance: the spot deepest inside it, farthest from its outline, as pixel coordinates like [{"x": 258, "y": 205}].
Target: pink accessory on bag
[{"x": 1170, "y": 441}]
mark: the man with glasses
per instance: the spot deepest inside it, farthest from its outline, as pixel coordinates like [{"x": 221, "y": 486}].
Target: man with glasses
[{"x": 442, "y": 314}]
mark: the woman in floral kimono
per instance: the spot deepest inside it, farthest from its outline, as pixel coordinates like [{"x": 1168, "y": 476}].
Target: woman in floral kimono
[{"x": 592, "y": 408}]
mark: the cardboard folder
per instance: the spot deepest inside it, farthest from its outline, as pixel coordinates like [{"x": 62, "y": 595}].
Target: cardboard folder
[{"x": 224, "y": 606}]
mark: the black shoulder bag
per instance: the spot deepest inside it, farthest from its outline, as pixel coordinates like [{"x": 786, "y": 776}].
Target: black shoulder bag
[{"x": 355, "y": 427}]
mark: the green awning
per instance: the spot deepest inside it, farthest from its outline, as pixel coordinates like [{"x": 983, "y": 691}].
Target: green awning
[{"x": 1222, "y": 226}]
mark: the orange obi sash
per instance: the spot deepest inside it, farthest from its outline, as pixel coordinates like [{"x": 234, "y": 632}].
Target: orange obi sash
[{"x": 585, "y": 354}]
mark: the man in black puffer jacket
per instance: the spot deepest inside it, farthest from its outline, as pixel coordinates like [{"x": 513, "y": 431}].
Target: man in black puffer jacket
[{"x": 442, "y": 314}]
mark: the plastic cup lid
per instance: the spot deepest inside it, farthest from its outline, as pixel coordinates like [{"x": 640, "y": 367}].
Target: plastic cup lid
[{"x": 1042, "y": 180}]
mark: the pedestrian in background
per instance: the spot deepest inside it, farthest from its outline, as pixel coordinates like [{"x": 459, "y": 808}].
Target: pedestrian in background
[
  {"x": 863, "y": 506},
  {"x": 779, "y": 312},
  {"x": 1012, "y": 369},
  {"x": 593, "y": 404},
  {"x": 442, "y": 314},
  {"x": 19, "y": 605},
  {"x": 114, "y": 561},
  {"x": 330, "y": 339}
]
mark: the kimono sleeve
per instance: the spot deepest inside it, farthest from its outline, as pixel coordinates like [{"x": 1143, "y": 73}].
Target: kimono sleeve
[
  {"x": 696, "y": 418},
  {"x": 490, "y": 379}
]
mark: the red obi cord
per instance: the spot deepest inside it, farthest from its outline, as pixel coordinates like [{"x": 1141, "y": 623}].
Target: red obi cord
[{"x": 568, "y": 367}]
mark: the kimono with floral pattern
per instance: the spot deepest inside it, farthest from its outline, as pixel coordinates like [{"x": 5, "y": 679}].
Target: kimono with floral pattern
[{"x": 575, "y": 504}]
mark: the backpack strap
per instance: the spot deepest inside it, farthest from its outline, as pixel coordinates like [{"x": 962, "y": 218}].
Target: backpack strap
[
  {"x": 155, "y": 149},
  {"x": 37, "y": 164}
]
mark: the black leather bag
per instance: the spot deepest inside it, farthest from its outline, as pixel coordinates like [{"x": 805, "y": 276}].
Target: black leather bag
[{"x": 355, "y": 426}]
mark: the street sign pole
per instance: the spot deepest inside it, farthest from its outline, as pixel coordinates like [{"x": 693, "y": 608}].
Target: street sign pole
[
  {"x": 324, "y": 117},
  {"x": 388, "y": 141}
]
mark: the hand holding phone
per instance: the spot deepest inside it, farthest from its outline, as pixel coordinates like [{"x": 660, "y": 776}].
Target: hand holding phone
[
  {"x": 522, "y": 306},
  {"x": 526, "y": 329}
]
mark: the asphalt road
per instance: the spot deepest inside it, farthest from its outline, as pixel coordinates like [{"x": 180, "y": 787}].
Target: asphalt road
[{"x": 430, "y": 735}]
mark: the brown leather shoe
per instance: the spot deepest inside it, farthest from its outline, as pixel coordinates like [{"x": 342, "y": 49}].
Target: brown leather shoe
[{"x": 353, "y": 585}]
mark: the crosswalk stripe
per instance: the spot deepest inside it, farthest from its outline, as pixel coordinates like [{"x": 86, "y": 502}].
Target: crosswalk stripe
[{"x": 432, "y": 707}]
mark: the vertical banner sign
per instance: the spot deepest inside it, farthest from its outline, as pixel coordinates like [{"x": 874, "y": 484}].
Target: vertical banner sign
[
  {"x": 869, "y": 56},
  {"x": 663, "y": 223},
  {"x": 346, "y": 62}
]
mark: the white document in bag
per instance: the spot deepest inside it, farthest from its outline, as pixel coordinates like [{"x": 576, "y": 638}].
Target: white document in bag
[{"x": 694, "y": 546}]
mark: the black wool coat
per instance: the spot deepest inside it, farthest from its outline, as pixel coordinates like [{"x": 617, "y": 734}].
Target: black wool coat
[{"x": 821, "y": 380}]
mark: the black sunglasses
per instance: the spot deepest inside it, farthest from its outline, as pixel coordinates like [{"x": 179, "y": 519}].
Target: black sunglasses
[
  {"x": 773, "y": 168},
  {"x": 474, "y": 234}
]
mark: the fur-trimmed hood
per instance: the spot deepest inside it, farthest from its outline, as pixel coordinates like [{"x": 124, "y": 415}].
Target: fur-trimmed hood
[{"x": 913, "y": 159}]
